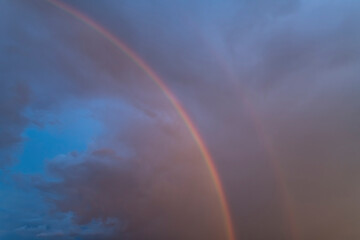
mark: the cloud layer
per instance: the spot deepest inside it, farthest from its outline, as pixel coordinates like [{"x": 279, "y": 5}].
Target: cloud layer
[{"x": 91, "y": 148}]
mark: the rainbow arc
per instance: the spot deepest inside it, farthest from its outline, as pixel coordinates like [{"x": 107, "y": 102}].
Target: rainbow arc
[{"x": 228, "y": 224}]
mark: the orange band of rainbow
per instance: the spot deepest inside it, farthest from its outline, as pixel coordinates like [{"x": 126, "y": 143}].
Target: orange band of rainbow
[{"x": 230, "y": 233}]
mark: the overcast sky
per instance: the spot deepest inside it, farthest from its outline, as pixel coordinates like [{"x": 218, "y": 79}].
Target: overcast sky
[{"x": 90, "y": 147}]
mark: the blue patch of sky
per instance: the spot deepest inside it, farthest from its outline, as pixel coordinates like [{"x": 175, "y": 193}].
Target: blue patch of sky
[{"x": 71, "y": 130}]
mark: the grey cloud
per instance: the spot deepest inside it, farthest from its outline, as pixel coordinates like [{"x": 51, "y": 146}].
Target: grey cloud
[
  {"x": 288, "y": 68},
  {"x": 294, "y": 86},
  {"x": 162, "y": 192},
  {"x": 13, "y": 103}
]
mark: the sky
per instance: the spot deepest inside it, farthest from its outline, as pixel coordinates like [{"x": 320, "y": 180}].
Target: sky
[{"x": 91, "y": 147}]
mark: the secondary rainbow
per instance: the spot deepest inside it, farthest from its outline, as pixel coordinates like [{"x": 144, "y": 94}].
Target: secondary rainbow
[
  {"x": 229, "y": 229},
  {"x": 264, "y": 138}
]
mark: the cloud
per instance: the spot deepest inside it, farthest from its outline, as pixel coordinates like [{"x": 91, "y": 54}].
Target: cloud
[
  {"x": 265, "y": 82},
  {"x": 162, "y": 191},
  {"x": 14, "y": 101}
]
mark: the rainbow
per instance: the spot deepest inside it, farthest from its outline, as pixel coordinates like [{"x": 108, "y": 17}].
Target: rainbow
[
  {"x": 264, "y": 138},
  {"x": 228, "y": 225}
]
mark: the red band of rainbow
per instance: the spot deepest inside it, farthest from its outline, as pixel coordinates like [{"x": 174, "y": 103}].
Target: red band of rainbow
[{"x": 228, "y": 225}]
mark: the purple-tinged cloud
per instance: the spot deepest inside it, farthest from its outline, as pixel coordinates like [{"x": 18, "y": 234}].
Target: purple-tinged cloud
[{"x": 271, "y": 85}]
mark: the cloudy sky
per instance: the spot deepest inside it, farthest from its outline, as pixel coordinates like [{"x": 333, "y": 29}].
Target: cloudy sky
[{"x": 91, "y": 148}]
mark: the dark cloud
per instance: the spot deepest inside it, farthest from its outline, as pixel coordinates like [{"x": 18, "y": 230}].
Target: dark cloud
[
  {"x": 271, "y": 85},
  {"x": 162, "y": 192},
  {"x": 14, "y": 100}
]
